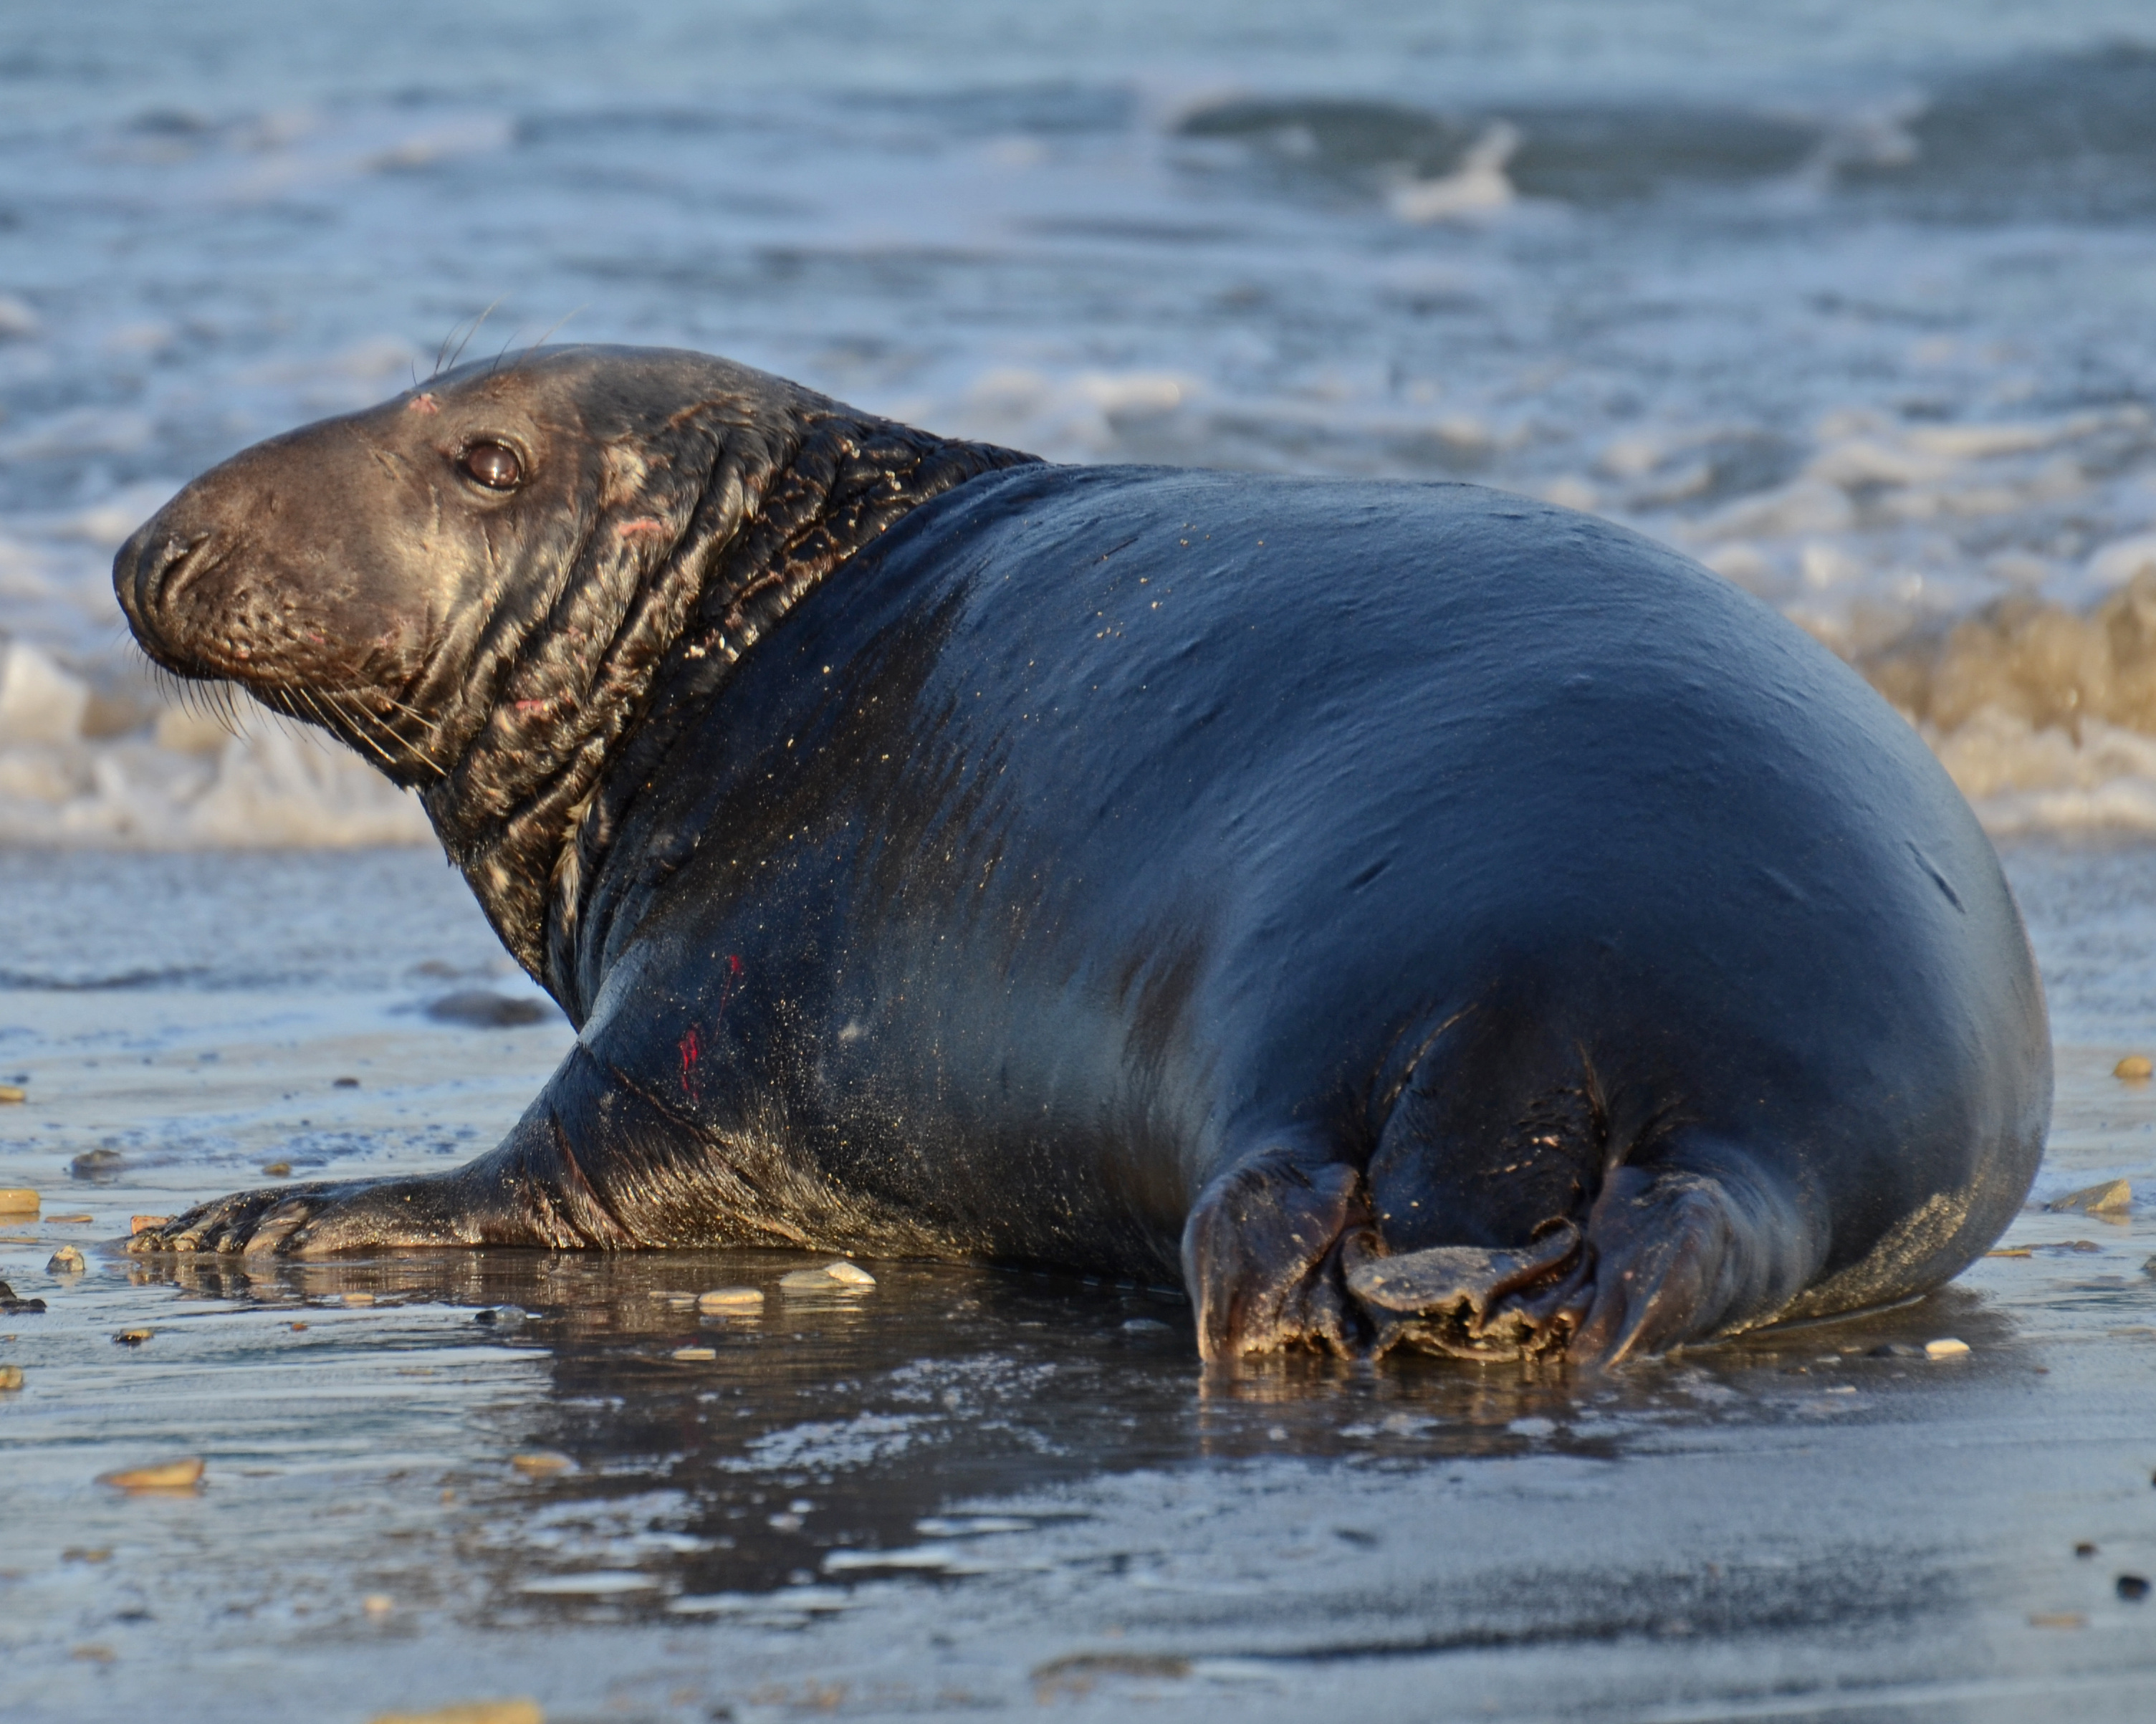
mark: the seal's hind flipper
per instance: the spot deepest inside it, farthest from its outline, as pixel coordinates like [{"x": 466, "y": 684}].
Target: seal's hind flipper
[
  {"x": 1682, "y": 1253},
  {"x": 1473, "y": 1302},
  {"x": 1678, "y": 1250},
  {"x": 1261, "y": 1256}
]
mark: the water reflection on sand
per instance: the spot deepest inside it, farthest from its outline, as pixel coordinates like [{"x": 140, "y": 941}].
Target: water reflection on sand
[{"x": 972, "y": 1488}]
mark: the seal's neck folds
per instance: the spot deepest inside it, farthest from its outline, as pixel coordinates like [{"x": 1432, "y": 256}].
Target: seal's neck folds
[{"x": 684, "y": 566}]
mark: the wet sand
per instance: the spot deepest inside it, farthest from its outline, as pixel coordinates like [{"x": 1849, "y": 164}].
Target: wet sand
[{"x": 967, "y": 1490}]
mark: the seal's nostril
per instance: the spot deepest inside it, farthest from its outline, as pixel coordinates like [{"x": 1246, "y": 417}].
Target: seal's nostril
[{"x": 156, "y": 565}]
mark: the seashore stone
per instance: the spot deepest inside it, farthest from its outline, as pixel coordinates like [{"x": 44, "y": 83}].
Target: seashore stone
[
  {"x": 278, "y": 1170},
  {"x": 2113, "y": 1197},
  {"x": 542, "y": 1463},
  {"x": 694, "y": 1355},
  {"x": 18, "y": 1200},
  {"x": 184, "y": 1474},
  {"x": 13, "y": 1095},
  {"x": 2133, "y": 1586},
  {"x": 378, "y": 1604},
  {"x": 1945, "y": 1347},
  {"x": 10, "y": 1305},
  {"x": 143, "y": 1223},
  {"x": 71, "y": 1220},
  {"x": 2134, "y": 1068},
  {"x": 132, "y": 1337},
  {"x": 66, "y": 1261},
  {"x": 837, "y": 1276},
  {"x": 720, "y": 1299},
  {"x": 471, "y": 1711},
  {"x": 358, "y": 1299},
  {"x": 11, "y": 1377}
]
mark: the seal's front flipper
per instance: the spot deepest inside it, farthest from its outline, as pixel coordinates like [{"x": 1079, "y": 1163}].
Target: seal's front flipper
[
  {"x": 530, "y": 1190},
  {"x": 1261, "y": 1256}
]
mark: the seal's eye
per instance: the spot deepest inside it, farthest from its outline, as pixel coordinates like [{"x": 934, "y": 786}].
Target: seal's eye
[{"x": 493, "y": 465}]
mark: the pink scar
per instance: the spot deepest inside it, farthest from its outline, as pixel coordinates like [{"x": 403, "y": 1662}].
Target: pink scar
[{"x": 422, "y": 405}]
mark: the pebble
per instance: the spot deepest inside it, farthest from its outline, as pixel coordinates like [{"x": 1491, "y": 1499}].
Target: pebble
[
  {"x": 725, "y": 1298},
  {"x": 692, "y": 1355},
  {"x": 143, "y": 1223},
  {"x": 344, "y": 1083},
  {"x": 66, "y": 1261},
  {"x": 2058, "y": 1620},
  {"x": 377, "y": 1604},
  {"x": 471, "y": 1711},
  {"x": 542, "y": 1463},
  {"x": 2132, "y": 1586},
  {"x": 184, "y": 1474},
  {"x": 359, "y": 1298},
  {"x": 487, "y": 1315},
  {"x": 836, "y": 1276},
  {"x": 18, "y": 1200},
  {"x": 2134, "y": 1068},
  {"x": 11, "y": 1094},
  {"x": 11, "y": 1377},
  {"x": 1897, "y": 1350},
  {"x": 133, "y": 1337},
  {"x": 71, "y": 1220},
  {"x": 279, "y": 1170},
  {"x": 2110, "y": 1197},
  {"x": 2084, "y": 1549},
  {"x": 1945, "y": 1347},
  {"x": 10, "y": 1304}
]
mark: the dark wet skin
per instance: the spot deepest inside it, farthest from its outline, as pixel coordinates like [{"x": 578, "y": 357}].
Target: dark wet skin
[{"x": 1410, "y": 915}]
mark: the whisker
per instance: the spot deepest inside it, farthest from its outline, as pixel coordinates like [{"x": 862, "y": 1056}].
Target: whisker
[
  {"x": 552, "y": 330},
  {"x": 431, "y": 725},
  {"x": 355, "y": 731},
  {"x": 460, "y": 353}
]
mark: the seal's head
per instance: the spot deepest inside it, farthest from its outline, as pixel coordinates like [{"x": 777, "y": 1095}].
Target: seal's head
[
  {"x": 476, "y": 584},
  {"x": 380, "y": 573}
]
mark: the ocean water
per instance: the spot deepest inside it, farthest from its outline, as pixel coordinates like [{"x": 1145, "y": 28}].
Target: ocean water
[{"x": 1852, "y": 300}]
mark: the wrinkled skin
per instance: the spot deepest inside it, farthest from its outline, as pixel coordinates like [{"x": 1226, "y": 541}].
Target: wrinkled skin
[{"x": 1417, "y": 916}]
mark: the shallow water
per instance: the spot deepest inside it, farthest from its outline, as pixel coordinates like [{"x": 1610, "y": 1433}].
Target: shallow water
[
  {"x": 969, "y": 1490},
  {"x": 1849, "y": 299}
]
